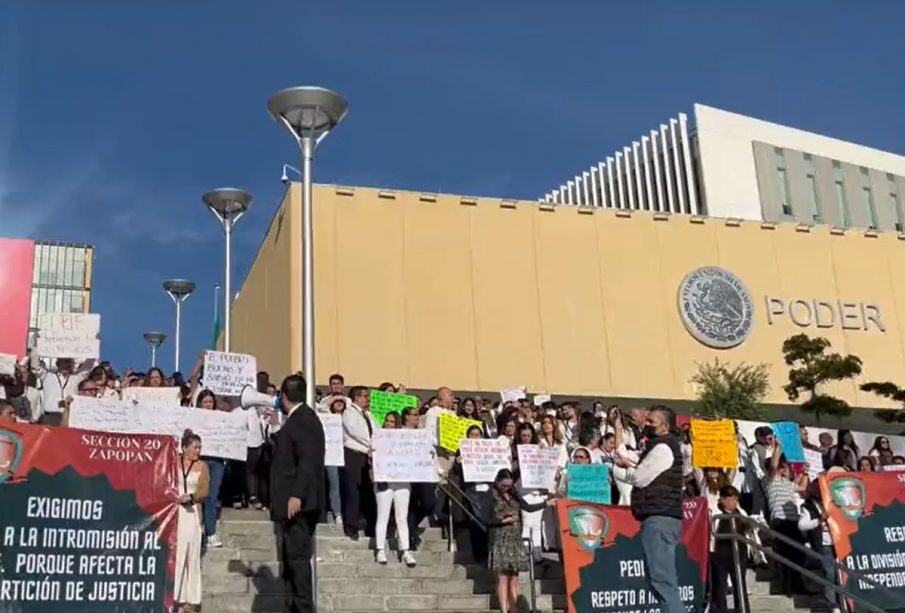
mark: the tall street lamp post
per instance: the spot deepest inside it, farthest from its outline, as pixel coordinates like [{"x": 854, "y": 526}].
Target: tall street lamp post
[{"x": 179, "y": 290}]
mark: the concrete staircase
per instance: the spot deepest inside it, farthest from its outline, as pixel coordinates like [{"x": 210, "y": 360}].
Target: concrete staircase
[{"x": 244, "y": 576}]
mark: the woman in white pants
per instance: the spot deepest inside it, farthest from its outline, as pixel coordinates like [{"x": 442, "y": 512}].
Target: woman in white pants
[
  {"x": 532, "y": 521},
  {"x": 393, "y": 496}
]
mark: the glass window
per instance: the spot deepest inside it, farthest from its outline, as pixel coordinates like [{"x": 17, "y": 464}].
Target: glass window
[
  {"x": 811, "y": 179},
  {"x": 782, "y": 178},
  {"x": 36, "y": 273},
  {"x": 894, "y": 201},
  {"x": 839, "y": 184},
  {"x": 868, "y": 198},
  {"x": 78, "y": 269}
]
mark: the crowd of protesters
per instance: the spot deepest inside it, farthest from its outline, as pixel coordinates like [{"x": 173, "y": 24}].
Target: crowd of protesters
[{"x": 502, "y": 517}]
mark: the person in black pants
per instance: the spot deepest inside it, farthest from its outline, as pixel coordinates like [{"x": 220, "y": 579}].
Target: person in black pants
[
  {"x": 355, "y": 476},
  {"x": 722, "y": 560},
  {"x": 297, "y": 489}
]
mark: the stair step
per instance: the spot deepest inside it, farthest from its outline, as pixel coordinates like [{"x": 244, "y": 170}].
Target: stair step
[
  {"x": 345, "y": 570},
  {"x": 273, "y": 603}
]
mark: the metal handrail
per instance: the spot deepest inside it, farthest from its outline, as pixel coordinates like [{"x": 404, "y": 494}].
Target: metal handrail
[{"x": 741, "y": 603}]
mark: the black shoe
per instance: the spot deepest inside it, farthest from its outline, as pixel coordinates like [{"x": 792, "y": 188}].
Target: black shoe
[{"x": 353, "y": 535}]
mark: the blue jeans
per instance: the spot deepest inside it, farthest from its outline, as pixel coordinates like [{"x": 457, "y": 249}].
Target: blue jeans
[
  {"x": 831, "y": 600},
  {"x": 216, "y": 467},
  {"x": 659, "y": 538},
  {"x": 333, "y": 484}
]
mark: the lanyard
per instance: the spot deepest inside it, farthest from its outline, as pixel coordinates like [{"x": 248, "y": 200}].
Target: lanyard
[
  {"x": 185, "y": 476},
  {"x": 62, "y": 383}
]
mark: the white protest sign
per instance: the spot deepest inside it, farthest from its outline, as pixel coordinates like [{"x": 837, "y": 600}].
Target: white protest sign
[
  {"x": 537, "y": 466},
  {"x": 227, "y": 374},
  {"x": 513, "y": 395},
  {"x": 69, "y": 335},
  {"x": 892, "y": 468},
  {"x": 333, "y": 439},
  {"x": 7, "y": 364},
  {"x": 814, "y": 459},
  {"x": 223, "y": 435},
  {"x": 483, "y": 458},
  {"x": 540, "y": 399},
  {"x": 404, "y": 456},
  {"x": 166, "y": 395}
]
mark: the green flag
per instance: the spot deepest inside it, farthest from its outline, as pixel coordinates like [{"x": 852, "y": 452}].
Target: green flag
[{"x": 216, "y": 331}]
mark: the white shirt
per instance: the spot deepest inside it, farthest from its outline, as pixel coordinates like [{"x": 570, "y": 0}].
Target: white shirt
[
  {"x": 430, "y": 421},
  {"x": 356, "y": 434},
  {"x": 56, "y": 387},
  {"x": 658, "y": 460},
  {"x": 324, "y": 405},
  {"x": 259, "y": 428}
]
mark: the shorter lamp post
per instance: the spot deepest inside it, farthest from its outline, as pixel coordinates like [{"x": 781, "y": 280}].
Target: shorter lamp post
[
  {"x": 179, "y": 290},
  {"x": 155, "y": 340}
]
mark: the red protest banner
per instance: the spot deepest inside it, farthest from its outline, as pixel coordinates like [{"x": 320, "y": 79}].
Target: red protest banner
[{"x": 87, "y": 521}]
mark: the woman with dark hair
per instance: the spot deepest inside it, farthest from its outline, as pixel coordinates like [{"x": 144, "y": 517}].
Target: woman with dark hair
[
  {"x": 468, "y": 409},
  {"x": 845, "y": 452},
  {"x": 155, "y": 378},
  {"x": 216, "y": 468},
  {"x": 865, "y": 465},
  {"x": 393, "y": 497},
  {"x": 99, "y": 375},
  {"x": 476, "y": 499},
  {"x": 193, "y": 489},
  {"x": 507, "y": 553},
  {"x": 532, "y": 526},
  {"x": 881, "y": 443}
]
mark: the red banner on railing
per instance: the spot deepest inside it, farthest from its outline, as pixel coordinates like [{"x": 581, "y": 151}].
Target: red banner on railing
[
  {"x": 87, "y": 521},
  {"x": 604, "y": 561}
]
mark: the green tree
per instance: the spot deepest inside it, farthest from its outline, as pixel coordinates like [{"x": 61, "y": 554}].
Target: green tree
[
  {"x": 892, "y": 391},
  {"x": 733, "y": 393},
  {"x": 812, "y": 366}
]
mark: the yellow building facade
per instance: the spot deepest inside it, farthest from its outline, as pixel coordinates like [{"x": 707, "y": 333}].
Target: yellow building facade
[{"x": 484, "y": 294}]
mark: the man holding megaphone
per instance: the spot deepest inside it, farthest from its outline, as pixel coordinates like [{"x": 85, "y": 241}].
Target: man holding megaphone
[{"x": 297, "y": 486}]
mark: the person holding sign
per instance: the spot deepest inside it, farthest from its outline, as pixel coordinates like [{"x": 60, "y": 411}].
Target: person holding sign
[
  {"x": 358, "y": 430},
  {"x": 507, "y": 555},
  {"x": 57, "y": 384},
  {"x": 194, "y": 480},
  {"x": 393, "y": 496},
  {"x": 782, "y": 499},
  {"x": 216, "y": 468}
]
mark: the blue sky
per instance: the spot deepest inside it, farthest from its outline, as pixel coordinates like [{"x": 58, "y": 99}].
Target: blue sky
[{"x": 116, "y": 116}]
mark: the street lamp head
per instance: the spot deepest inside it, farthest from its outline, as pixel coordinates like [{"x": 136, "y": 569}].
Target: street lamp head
[
  {"x": 179, "y": 288},
  {"x": 155, "y": 338},
  {"x": 227, "y": 202},
  {"x": 307, "y": 111}
]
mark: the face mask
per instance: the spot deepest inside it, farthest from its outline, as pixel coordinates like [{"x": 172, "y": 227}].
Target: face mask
[{"x": 649, "y": 432}]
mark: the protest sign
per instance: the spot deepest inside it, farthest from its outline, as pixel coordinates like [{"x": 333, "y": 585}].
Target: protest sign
[
  {"x": 483, "y": 458},
  {"x": 789, "y": 436},
  {"x": 540, "y": 399},
  {"x": 88, "y": 521},
  {"x": 513, "y": 395},
  {"x": 227, "y": 374},
  {"x": 713, "y": 444},
  {"x": 892, "y": 468},
  {"x": 166, "y": 395},
  {"x": 604, "y": 565},
  {"x": 333, "y": 439},
  {"x": 387, "y": 402},
  {"x": 7, "y": 364},
  {"x": 69, "y": 335},
  {"x": 814, "y": 459},
  {"x": 589, "y": 483},
  {"x": 537, "y": 466},
  {"x": 453, "y": 429},
  {"x": 403, "y": 456},
  {"x": 866, "y": 514},
  {"x": 223, "y": 435}
]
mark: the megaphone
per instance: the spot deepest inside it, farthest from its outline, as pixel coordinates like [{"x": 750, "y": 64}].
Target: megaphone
[{"x": 250, "y": 397}]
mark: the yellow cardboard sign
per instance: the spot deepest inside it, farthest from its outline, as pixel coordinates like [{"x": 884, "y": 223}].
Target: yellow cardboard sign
[
  {"x": 453, "y": 430},
  {"x": 713, "y": 444}
]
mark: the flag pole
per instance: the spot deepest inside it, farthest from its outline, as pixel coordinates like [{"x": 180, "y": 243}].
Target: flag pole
[{"x": 216, "y": 322}]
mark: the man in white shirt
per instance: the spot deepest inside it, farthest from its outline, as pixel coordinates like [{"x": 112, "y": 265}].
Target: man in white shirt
[
  {"x": 57, "y": 383},
  {"x": 355, "y": 477},
  {"x": 337, "y": 392}
]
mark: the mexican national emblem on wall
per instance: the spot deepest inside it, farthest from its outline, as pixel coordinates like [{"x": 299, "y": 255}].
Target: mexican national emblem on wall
[{"x": 716, "y": 307}]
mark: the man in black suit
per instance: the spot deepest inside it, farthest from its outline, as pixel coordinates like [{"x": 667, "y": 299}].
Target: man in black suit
[{"x": 297, "y": 490}]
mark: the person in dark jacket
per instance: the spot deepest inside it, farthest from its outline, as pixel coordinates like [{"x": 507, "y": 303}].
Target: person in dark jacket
[
  {"x": 657, "y": 482},
  {"x": 722, "y": 560},
  {"x": 297, "y": 490}
]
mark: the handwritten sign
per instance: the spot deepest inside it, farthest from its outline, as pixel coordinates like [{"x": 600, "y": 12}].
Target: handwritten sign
[
  {"x": 713, "y": 444},
  {"x": 453, "y": 429},
  {"x": 223, "y": 435},
  {"x": 513, "y": 395},
  {"x": 483, "y": 458},
  {"x": 814, "y": 460},
  {"x": 403, "y": 456},
  {"x": 789, "y": 436},
  {"x": 69, "y": 335},
  {"x": 387, "y": 402},
  {"x": 167, "y": 395},
  {"x": 892, "y": 468},
  {"x": 589, "y": 483},
  {"x": 227, "y": 374},
  {"x": 333, "y": 437},
  {"x": 7, "y": 364},
  {"x": 540, "y": 399},
  {"x": 537, "y": 466}
]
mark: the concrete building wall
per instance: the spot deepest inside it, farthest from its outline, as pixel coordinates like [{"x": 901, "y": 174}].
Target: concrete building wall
[{"x": 486, "y": 294}]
